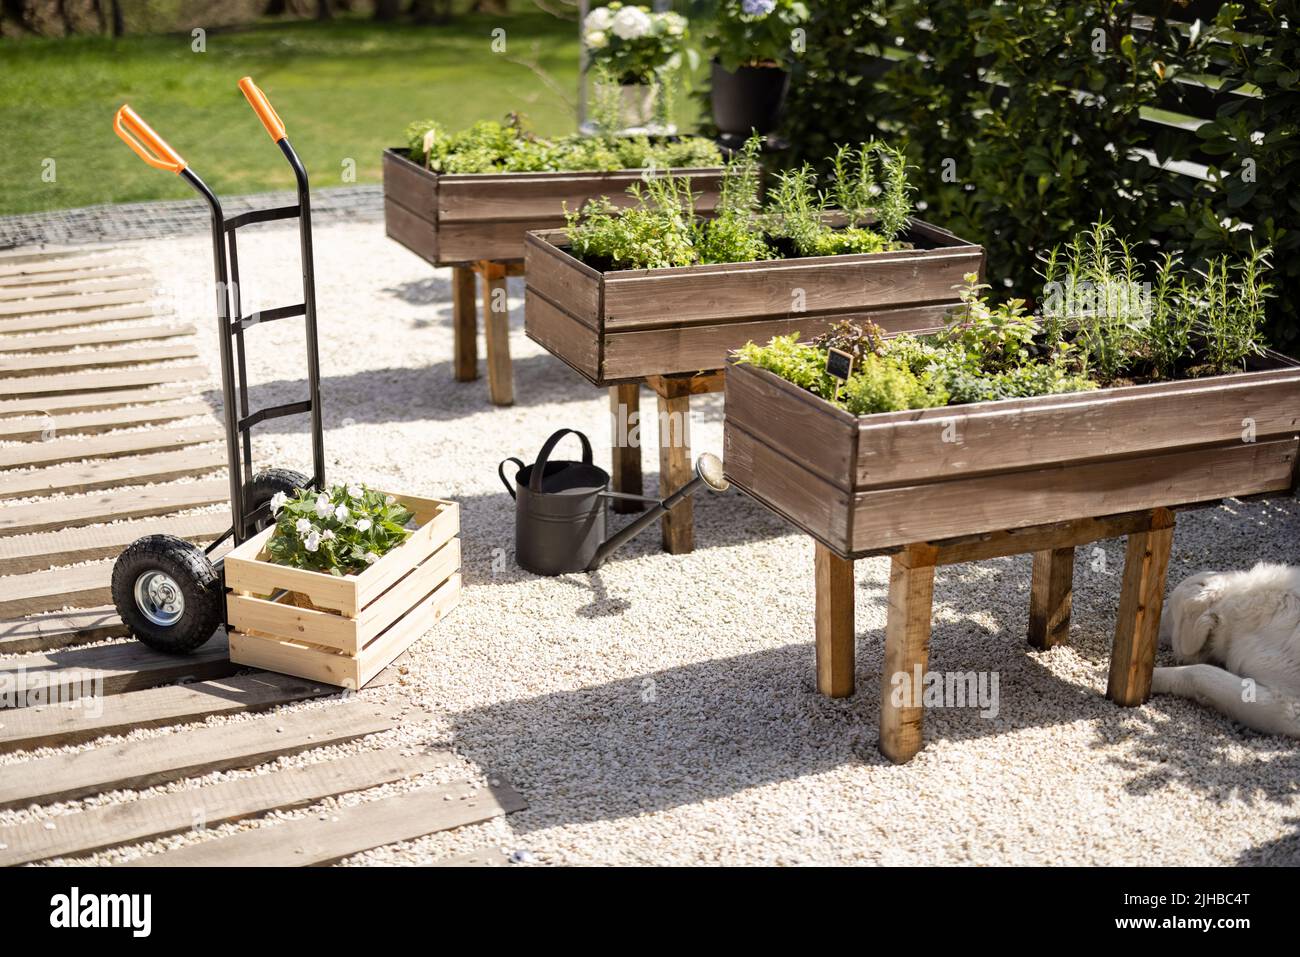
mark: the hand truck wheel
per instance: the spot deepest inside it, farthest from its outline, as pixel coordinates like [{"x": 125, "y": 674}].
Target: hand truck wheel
[
  {"x": 266, "y": 485},
  {"x": 168, "y": 593}
]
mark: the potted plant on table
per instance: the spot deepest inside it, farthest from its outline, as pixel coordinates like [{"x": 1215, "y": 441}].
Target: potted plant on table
[
  {"x": 639, "y": 50},
  {"x": 752, "y": 42}
]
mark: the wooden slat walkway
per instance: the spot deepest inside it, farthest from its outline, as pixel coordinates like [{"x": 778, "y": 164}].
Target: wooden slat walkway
[
  {"x": 88, "y": 406},
  {"x": 347, "y": 831},
  {"x": 144, "y": 763},
  {"x": 149, "y": 818}
]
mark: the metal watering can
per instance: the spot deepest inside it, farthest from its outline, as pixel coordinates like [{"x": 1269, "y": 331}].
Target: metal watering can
[{"x": 560, "y": 508}]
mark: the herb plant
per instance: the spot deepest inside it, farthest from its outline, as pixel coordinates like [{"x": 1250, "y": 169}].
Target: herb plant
[
  {"x": 339, "y": 532},
  {"x": 1100, "y": 322},
  {"x": 796, "y": 218},
  {"x": 492, "y": 147}
]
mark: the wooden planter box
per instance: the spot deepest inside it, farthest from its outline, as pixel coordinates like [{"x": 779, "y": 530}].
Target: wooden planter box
[
  {"x": 625, "y": 325},
  {"x": 871, "y": 484},
  {"x": 452, "y": 219},
  {"x": 360, "y": 623}
]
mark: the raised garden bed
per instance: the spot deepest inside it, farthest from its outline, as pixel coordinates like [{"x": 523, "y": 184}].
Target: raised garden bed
[
  {"x": 343, "y": 630},
  {"x": 462, "y": 218},
  {"x": 864, "y": 485},
  {"x": 629, "y": 324}
]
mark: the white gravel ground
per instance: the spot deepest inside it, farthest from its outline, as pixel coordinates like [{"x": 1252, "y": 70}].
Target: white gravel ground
[{"x": 662, "y": 711}]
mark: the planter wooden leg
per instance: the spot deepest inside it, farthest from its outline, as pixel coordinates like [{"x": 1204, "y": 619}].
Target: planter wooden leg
[
  {"x": 835, "y": 625},
  {"x": 907, "y": 651},
  {"x": 1050, "y": 596},
  {"x": 1146, "y": 559},
  {"x": 496, "y": 322},
  {"x": 675, "y": 464},
  {"x": 464, "y": 323},
  {"x": 624, "y": 416}
]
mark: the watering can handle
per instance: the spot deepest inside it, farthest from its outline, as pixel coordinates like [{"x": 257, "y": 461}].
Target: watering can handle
[
  {"x": 539, "y": 467},
  {"x": 501, "y": 471}
]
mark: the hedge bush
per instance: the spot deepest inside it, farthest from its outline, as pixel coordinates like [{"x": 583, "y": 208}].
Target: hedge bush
[{"x": 1022, "y": 163}]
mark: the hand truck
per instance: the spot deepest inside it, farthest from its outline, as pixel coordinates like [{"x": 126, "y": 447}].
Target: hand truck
[{"x": 169, "y": 592}]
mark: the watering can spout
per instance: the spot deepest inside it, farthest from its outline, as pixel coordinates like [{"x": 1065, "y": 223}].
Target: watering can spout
[{"x": 709, "y": 472}]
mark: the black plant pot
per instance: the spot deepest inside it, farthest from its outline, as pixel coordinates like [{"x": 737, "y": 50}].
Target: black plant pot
[{"x": 749, "y": 100}]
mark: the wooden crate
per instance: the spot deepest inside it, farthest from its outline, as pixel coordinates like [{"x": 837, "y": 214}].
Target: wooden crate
[
  {"x": 360, "y": 623},
  {"x": 455, "y": 219},
  {"x": 871, "y": 484},
  {"x": 625, "y": 325}
]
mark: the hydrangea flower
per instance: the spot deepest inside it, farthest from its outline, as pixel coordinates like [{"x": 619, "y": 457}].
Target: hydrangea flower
[
  {"x": 597, "y": 39},
  {"x": 757, "y": 8},
  {"x": 674, "y": 23},
  {"x": 602, "y": 18},
  {"x": 631, "y": 23}
]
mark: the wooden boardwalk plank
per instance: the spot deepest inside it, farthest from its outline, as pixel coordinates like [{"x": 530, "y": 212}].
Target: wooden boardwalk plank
[
  {"x": 160, "y": 815},
  {"x": 33, "y": 294},
  {"x": 109, "y": 506},
  {"x": 483, "y": 857},
  {"x": 110, "y": 445},
  {"x": 58, "y": 273},
  {"x": 29, "y": 428},
  {"x": 47, "y": 321},
  {"x": 99, "y": 260},
  {"x": 56, "y": 725},
  {"x": 347, "y": 831},
  {"x": 47, "y": 251},
  {"x": 92, "y": 381},
  {"x": 34, "y": 307},
  {"x": 81, "y": 587},
  {"x": 66, "y": 674},
  {"x": 59, "y": 630},
  {"x": 94, "y": 359},
  {"x": 47, "y": 341},
  {"x": 88, "y": 401},
  {"x": 100, "y": 474},
  {"x": 21, "y": 554},
  {"x": 190, "y": 753}
]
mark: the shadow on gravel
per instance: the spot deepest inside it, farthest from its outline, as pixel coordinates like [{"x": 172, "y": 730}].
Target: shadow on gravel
[
  {"x": 688, "y": 734},
  {"x": 431, "y": 393}
]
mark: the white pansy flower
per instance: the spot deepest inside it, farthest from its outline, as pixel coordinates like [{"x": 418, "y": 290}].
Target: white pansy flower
[
  {"x": 597, "y": 39},
  {"x": 599, "y": 19},
  {"x": 323, "y": 506},
  {"x": 631, "y": 23},
  {"x": 341, "y": 513},
  {"x": 313, "y": 541},
  {"x": 277, "y": 502},
  {"x": 327, "y": 535},
  {"x": 354, "y": 491},
  {"x": 363, "y": 525},
  {"x": 303, "y": 526},
  {"x": 371, "y": 558}
]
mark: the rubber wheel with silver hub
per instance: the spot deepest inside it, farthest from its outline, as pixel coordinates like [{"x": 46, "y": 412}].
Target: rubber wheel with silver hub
[{"x": 168, "y": 593}]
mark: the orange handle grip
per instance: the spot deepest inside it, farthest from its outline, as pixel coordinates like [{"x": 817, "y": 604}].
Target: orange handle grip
[
  {"x": 147, "y": 144},
  {"x": 263, "y": 108}
]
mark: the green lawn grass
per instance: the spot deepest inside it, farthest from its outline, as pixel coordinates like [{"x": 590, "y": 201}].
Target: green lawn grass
[{"x": 345, "y": 90}]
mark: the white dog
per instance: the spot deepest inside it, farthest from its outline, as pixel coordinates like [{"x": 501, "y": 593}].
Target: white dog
[{"x": 1247, "y": 623}]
